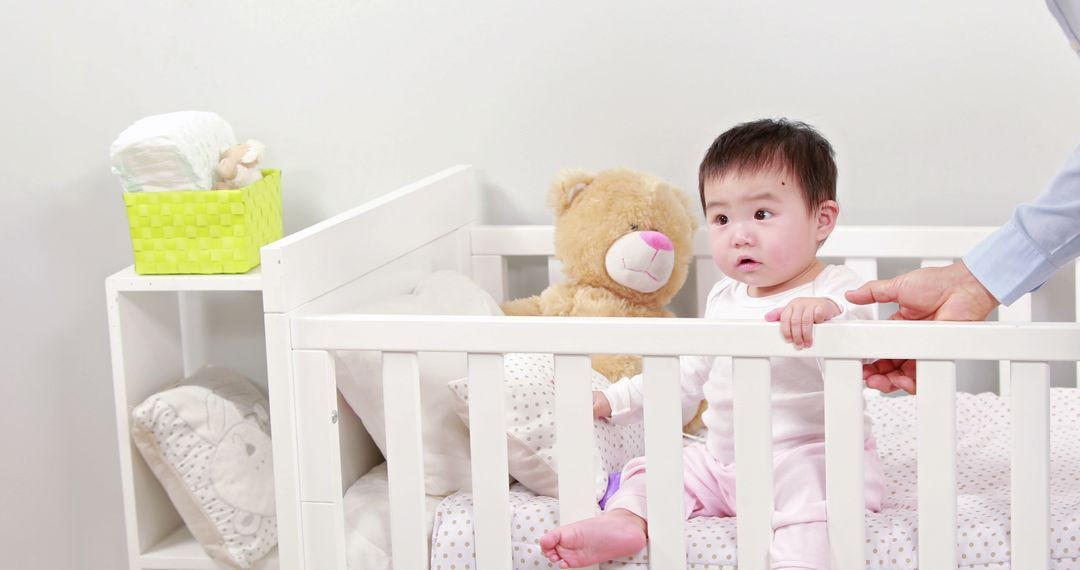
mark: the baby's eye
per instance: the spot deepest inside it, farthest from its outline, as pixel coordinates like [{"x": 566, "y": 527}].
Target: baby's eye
[
  {"x": 762, "y": 215},
  {"x": 720, "y": 219}
]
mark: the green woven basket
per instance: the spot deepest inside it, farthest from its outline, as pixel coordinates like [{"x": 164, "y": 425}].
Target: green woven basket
[{"x": 204, "y": 231}]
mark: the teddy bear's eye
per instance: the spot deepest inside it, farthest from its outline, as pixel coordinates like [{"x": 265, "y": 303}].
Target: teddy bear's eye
[{"x": 633, "y": 227}]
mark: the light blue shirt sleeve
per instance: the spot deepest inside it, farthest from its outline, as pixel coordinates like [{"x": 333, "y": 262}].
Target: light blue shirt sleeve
[
  {"x": 1067, "y": 13},
  {"x": 1039, "y": 239}
]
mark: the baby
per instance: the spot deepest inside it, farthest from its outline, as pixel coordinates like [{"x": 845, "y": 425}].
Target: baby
[{"x": 768, "y": 189}]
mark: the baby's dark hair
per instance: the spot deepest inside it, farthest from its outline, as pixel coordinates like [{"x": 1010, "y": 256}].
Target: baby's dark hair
[{"x": 793, "y": 146}]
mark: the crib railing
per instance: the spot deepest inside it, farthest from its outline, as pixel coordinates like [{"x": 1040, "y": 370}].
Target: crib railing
[
  {"x": 1029, "y": 346},
  {"x": 862, "y": 248}
]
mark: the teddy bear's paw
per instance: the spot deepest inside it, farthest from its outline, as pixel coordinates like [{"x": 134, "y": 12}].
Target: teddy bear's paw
[{"x": 527, "y": 307}]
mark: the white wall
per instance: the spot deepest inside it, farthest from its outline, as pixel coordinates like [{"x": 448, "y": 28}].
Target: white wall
[{"x": 941, "y": 113}]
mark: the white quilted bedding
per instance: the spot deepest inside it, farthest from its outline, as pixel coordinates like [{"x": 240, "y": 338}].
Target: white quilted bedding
[{"x": 984, "y": 437}]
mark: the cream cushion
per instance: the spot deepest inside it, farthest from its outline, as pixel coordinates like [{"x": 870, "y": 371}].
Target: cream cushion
[
  {"x": 208, "y": 441},
  {"x": 367, "y": 521},
  {"x": 360, "y": 379}
]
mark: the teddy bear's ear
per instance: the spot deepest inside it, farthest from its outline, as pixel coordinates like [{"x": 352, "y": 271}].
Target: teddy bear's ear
[{"x": 567, "y": 186}]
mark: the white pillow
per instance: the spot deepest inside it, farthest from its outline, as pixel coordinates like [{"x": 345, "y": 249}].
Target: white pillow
[
  {"x": 359, "y": 377},
  {"x": 530, "y": 433},
  {"x": 367, "y": 521},
  {"x": 208, "y": 441}
]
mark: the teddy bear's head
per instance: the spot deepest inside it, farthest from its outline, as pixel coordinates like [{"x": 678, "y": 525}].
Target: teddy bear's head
[{"x": 625, "y": 231}]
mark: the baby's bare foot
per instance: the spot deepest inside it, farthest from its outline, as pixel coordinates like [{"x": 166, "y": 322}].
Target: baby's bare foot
[{"x": 611, "y": 535}]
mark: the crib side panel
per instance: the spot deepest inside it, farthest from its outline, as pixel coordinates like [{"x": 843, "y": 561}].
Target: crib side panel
[{"x": 321, "y": 258}]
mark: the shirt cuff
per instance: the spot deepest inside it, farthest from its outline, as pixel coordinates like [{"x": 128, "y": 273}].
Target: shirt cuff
[
  {"x": 619, "y": 398},
  {"x": 1009, "y": 264}
]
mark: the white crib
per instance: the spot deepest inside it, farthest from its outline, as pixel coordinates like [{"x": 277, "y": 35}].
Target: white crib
[{"x": 382, "y": 248}]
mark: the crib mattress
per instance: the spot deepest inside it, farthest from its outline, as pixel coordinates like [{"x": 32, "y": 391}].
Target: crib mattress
[{"x": 983, "y": 451}]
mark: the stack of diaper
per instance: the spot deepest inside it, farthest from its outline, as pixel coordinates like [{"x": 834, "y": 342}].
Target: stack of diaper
[
  {"x": 197, "y": 202},
  {"x": 173, "y": 151}
]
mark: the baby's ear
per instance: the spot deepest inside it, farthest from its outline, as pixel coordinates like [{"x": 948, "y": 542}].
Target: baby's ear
[{"x": 567, "y": 186}]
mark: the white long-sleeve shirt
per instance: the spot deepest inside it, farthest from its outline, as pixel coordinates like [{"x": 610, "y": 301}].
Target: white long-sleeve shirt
[{"x": 798, "y": 389}]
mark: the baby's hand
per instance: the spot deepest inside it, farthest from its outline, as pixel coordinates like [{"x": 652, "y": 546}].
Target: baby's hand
[
  {"x": 601, "y": 407},
  {"x": 797, "y": 319}
]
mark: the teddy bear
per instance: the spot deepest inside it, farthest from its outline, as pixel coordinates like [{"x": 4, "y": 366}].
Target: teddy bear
[
  {"x": 624, "y": 239},
  {"x": 238, "y": 166}
]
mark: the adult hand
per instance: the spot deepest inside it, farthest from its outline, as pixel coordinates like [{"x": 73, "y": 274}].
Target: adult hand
[
  {"x": 889, "y": 375},
  {"x": 949, "y": 293}
]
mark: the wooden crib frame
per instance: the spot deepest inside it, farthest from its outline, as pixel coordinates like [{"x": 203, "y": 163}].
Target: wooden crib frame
[{"x": 382, "y": 249}]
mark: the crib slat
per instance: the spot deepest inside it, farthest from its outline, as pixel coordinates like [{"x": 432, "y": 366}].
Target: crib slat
[
  {"x": 1030, "y": 403},
  {"x": 753, "y": 461},
  {"x": 663, "y": 455},
  {"x": 317, "y": 430},
  {"x": 404, "y": 459},
  {"x": 844, "y": 445},
  {"x": 706, "y": 275},
  {"x": 936, "y": 432},
  {"x": 1018, "y": 312},
  {"x": 866, "y": 267},
  {"x": 574, "y": 438},
  {"x": 323, "y": 526},
  {"x": 935, "y": 262},
  {"x": 555, "y": 274},
  {"x": 322, "y": 513},
  {"x": 487, "y": 437},
  {"x": 489, "y": 272}
]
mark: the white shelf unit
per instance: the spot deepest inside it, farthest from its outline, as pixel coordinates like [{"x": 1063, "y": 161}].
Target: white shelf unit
[{"x": 161, "y": 329}]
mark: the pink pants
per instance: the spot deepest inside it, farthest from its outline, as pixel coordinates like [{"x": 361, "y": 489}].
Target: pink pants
[{"x": 800, "y": 537}]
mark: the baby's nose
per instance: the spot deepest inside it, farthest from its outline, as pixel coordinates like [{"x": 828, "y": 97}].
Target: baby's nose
[
  {"x": 657, "y": 240},
  {"x": 740, "y": 238}
]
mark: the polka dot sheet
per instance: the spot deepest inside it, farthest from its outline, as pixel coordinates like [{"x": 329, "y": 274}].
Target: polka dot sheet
[{"x": 983, "y": 450}]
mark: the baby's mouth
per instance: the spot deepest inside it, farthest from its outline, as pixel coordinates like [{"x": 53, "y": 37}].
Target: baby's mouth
[{"x": 746, "y": 263}]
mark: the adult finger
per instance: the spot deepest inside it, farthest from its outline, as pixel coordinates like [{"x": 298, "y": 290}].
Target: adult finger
[
  {"x": 879, "y": 382},
  {"x": 876, "y": 374},
  {"x": 877, "y": 291},
  {"x": 904, "y": 383},
  {"x": 905, "y": 377}
]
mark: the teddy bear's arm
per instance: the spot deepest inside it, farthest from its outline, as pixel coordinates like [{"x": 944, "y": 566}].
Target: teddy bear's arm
[
  {"x": 555, "y": 301},
  {"x": 526, "y": 307},
  {"x": 598, "y": 302}
]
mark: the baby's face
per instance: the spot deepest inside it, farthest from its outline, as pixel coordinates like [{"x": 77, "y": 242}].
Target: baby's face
[{"x": 760, "y": 231}]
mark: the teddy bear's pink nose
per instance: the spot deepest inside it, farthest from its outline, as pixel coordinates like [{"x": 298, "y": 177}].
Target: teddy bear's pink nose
[{"x": 657, "y": 240}]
